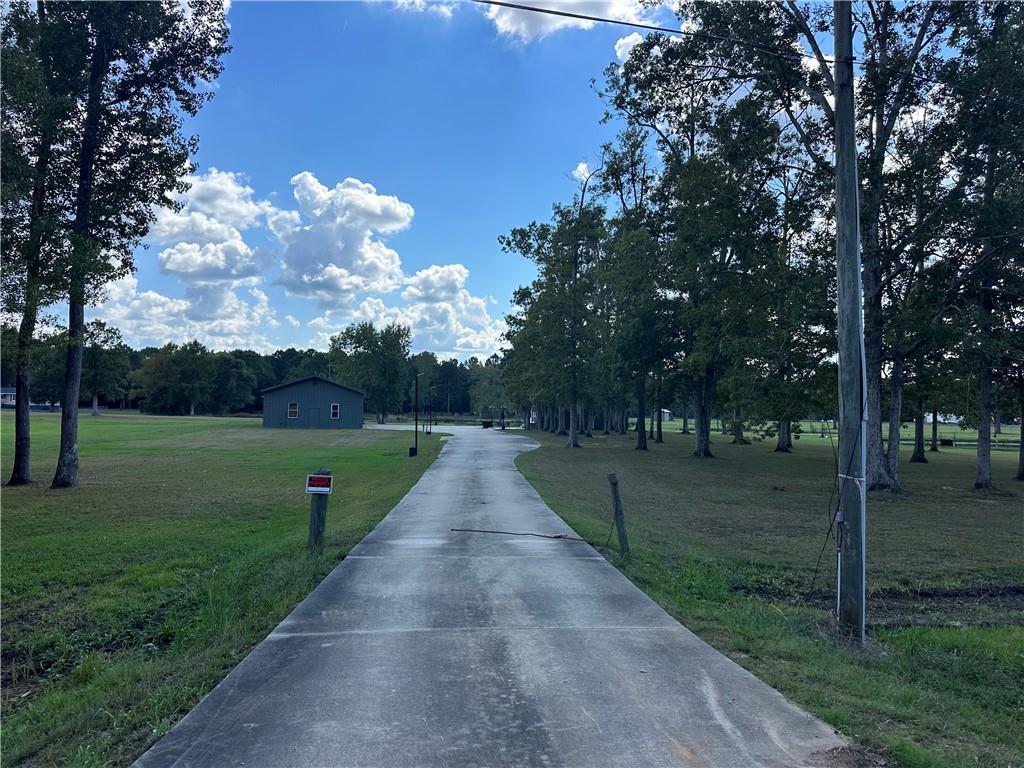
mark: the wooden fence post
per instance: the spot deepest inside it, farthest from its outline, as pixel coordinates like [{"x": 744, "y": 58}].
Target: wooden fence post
[
  {"x": 317, "y": 519},
  {"x": 620, "y": 517}
]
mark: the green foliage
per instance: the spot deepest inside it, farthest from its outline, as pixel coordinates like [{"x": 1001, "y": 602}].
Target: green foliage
[
  {"x": 375, "y": 361},
  {"x": 48, "y": 356},
  {"x": 105, "y": 362},
  {"x": 487, "y": 391}
]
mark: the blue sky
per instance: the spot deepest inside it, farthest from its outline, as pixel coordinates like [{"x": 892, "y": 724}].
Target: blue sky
[{"x": 451, "y": 127}]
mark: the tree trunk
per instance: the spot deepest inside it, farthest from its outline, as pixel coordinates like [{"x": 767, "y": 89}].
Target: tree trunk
[
  {"x": 702, "y": 417},
  {"x": 935, "y": 431},
  {"x": 738, "y": 438},
  {"x": 997, "y": 423},
  {"x": 1020, "y": 448},
  {"x": 785, "y": 441},
  {"x": 892, "y": 454},
  {"x": 877, "y": 467},
  {"x": 641, "y": 398},
  {"x": 658, "y": 437},
  {"x": 588, "y": 420},
  {"x": 574, "y": 427},
  {"x": 650, "y": 426},
  {"x": 21, "y": 473},
  {"x": 95, "y": 404},
  {"x": 983, "y": 469},
  {"x": 605, "y": 419},
  {"x": 918, "y": 456},
  {"x": 66, "y": 475},
  {"x": 686, "y": 419}
]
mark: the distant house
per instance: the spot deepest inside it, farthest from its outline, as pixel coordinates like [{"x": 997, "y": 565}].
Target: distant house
[
  {"x": 312, "y": 403},
  {"x": 9, "y": 398}
]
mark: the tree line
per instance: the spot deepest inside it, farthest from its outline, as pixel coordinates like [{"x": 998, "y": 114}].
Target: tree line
[
  {"x": 190, "y": 379},
  {"x": 696, "y": 266}
]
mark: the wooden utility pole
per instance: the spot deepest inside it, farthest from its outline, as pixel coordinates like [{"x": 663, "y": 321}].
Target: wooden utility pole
[{"x": 851, "y": 516}]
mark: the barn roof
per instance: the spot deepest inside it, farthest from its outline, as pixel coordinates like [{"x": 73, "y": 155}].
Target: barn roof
[{"x": 319, "y": 378}]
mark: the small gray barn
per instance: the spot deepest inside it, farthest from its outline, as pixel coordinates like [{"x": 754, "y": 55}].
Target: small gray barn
[{"x": 313, "y": 403}]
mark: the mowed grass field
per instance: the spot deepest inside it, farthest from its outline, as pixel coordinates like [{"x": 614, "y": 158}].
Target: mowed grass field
[
  {"x": 127, "y": 599},
  {"x": 729, "y": 545}
]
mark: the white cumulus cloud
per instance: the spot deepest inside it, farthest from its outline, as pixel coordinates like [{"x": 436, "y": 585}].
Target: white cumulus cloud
[
  {"x": 442, "y": 314},
  {"x": 530, "y": 25},
  {"x": 336, "y": 251},
  {"x": 225, "y": 197},
  {"x": 625, "y": 45},
  {"x": 231, "y": 262},
  {"x": 436, "y": 283},
  {"x": 442, "y": 8},
  {"x": 581, "y": 172},
  {"x": 214, "y": 315}
]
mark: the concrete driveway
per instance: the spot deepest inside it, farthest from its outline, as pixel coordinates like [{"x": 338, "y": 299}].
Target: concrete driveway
[{"x": 427, "y": 647}]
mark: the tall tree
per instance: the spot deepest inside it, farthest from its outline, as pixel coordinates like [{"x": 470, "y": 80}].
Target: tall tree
[
  {"x": 375, "y": 360},
  {"x": 635, "y": 308},
  {"x": 42, "y": 79},
  {"x": 232, "y": 383},
  {"x": 176, "y": 380},
  {"x": 558, "y": 308},
  {"x": 984, "y": 101},
  {"x": 105, "y": 363},
  {"x": 147, "y": 66}
]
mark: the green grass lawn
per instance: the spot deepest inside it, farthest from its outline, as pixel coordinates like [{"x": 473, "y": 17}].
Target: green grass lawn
[
  {"x": 729, "y": 545},
  {"x": 126, "y": 600}
]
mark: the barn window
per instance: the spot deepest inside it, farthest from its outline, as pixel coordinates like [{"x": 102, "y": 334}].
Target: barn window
[
  {"x": 335, "y": 410},
  {"x": 293, "y": 410}
]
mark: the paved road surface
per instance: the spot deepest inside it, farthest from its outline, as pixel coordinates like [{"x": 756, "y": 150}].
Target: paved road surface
[{"x": 432, "y": 648}]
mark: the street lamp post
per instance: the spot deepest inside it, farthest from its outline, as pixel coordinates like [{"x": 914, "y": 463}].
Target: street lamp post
[
  {"x": 416, "y": 418},
  {"x": 430, "y": 410}
]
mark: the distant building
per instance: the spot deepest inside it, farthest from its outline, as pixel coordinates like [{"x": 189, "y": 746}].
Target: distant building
[
  {"x": 312, "y": 403},
  {"x": 9, "y": 398}
]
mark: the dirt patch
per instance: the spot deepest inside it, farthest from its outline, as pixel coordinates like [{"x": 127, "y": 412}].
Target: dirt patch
[
  {"x": 973, "y": 606},
  {"x": 855, "y": 757}
]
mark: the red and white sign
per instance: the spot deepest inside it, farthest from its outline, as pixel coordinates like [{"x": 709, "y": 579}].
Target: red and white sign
[{"x": 319, "y": 483}]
